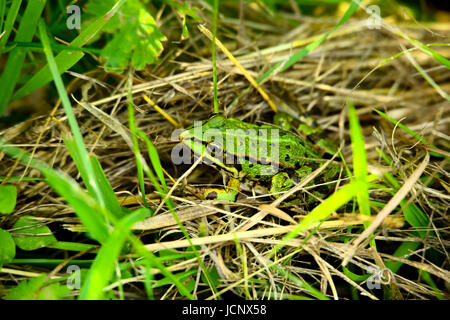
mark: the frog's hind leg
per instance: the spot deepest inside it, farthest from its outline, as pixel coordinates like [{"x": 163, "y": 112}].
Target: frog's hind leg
[{"x": 229, "y": 193}]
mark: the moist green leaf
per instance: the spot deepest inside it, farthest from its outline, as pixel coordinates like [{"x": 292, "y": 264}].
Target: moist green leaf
[
  {"x": 135, "y": 35},
  {"x": 7, "y": 247},
  {"x": 33, "y": 236},
  {"x": 28, "y": 290},
  {"x": 8, "y": 196}
]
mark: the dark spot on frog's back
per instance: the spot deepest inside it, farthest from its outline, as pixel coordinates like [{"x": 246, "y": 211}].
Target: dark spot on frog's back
[
  {"x": 287, "y": 158},
  {"x": 288, "y": 146},
  {"x": 211, "y": 196}
]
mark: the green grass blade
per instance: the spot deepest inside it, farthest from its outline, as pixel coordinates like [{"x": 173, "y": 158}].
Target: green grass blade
[
  {"x": 153, "y": 260},
  {"x": 426, "y": 49},
  {"x": 103, "y": 266},
  {"x": 359, "y": 160},
  {"x": 137, "y": 153},
  {"x": 428, "y": 279},
  {"x": 213, "y": 52},
  {"x": 16, "y": 57},
  {"x": 9, "y": 22},
  {"x": 417, "y": 219},
  {"x": 402, "y": 251},
  {"x": 413, "y": 215},
  {"x": 71, "y": 246},
  {"x": 111, "y": 202},
  {"x": 2, "y": 14},
  {"x": 299, "y": 282},
  {"x": 86, "y": 207},
  {"x": 83, "y": 162},
  {"x": 321, "y": 212},
  {"x": 402, "y": 126},
  {"x": 425, "y": 75},
  {"x": 37, "y": 46},
  {"x": 283, "y": 65},
  {"x": 353, "y": 276},
  {"x": 67, "y": 58},
  {"x": 156, "y": 163},
  {"x": 411, "y": 132}
]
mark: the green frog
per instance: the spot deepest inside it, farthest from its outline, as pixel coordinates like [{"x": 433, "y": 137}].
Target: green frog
[{"x": 271, "y": 155}]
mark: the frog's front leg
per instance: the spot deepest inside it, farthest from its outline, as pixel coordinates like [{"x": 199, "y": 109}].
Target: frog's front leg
[
  {"x": 229, "y": 193},
  {"x": 281, "y": 182}
]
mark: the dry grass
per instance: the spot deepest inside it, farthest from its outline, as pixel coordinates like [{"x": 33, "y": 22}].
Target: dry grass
[{"x": 181, "y": 84}]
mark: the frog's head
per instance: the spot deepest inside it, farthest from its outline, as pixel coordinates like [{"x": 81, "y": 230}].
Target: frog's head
[{"x": 214, "y": 122}]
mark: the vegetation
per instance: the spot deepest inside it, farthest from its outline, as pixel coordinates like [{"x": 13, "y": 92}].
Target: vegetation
[{"x": 92, "y": 93}]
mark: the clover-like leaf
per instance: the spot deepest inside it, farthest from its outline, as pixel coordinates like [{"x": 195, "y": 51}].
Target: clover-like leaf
[
  {"x": 8, "y": 196},
  {"x": 37, "y": 289},
  {"x": 32, "y": 234},
  {"x": 135, "y": 36},
  {"x": 7, "y": 247}
]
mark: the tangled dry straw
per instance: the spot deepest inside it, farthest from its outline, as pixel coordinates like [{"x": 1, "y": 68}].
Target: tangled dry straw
[{"x": 320, "y": 84}]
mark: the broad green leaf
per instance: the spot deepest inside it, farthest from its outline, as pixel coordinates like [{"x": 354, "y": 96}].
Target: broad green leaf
[
  {"x": 32, "y": 234},
  {"x": 7, "y": 248},
  {"x": 54, "y": 291},
  {"x": 36, "y": 289},
  {"x": 135, "y": 35},
  {"x": 8, "y": 196},
  {"x": 26, "y": 289}
]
